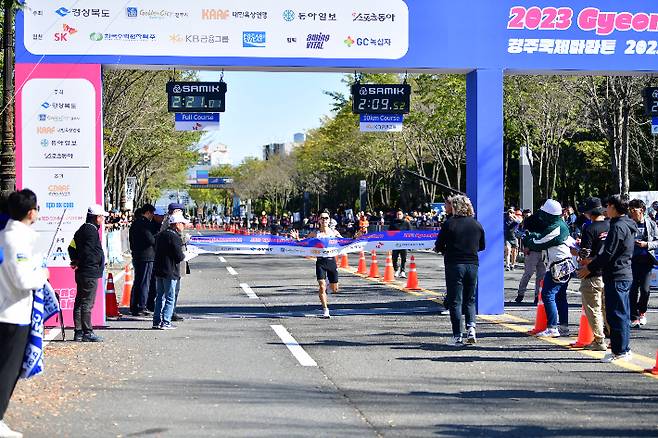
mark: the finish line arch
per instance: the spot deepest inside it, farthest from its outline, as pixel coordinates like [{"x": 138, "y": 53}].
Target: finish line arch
[{"x": 61, "y": 47}]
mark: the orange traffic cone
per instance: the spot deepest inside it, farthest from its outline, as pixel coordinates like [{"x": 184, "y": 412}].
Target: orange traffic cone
[
  {"x": 127, "y": 286},
  {"x": 388, "y": 269},
  {"x": 344, "y": 262},
  {"x": 362, "y": 269},
  {"x": 111, "y": 307},
  {"x": 653, "y": 370},
  {"x": 541, "y": 322},
  {"x": 412, "y": 279},
  {"x": 374, "y": 269},
  {"x": 585, "y": 335}
]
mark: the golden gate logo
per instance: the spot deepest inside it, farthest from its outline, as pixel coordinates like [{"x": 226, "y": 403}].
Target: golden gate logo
[{"x": 214, "y": 14}]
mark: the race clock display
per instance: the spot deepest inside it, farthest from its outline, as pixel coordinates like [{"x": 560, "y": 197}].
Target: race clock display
[
  {"x": 381, "y": 98},
  {"x": 197, "y": 97}
]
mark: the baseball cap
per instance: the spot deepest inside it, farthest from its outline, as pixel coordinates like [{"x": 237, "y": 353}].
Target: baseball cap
[
  {"x": 97, "y": 210},
  {"x": 175, "y": 206},
  {"x": 593, "y": 205},
  {"x": 178, "y": 219},
  {"x": 552, "y": 207}
]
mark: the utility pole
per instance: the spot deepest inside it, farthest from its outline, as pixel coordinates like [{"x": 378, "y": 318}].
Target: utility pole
[{"x": 7, "y": 156}]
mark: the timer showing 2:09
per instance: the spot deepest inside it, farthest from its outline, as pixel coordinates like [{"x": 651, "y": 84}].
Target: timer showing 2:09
[{"x": 381, "y": 98}]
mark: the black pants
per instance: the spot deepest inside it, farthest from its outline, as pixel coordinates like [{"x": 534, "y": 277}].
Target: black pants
[
  {"x": 150, "y": 299},
  {"x": 13, "y": 340},
  {"x": 141, "y": 285},
  {"x": 640, "y": 289},
  {"x": 461, "y": 283},
  {"x": 403, "y": 258},
  {"x": 84, "y": 303}
]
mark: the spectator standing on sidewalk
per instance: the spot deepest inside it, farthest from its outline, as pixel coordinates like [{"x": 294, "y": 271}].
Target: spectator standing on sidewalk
[
  {"x": 460, "y": 240},
  {"x": 642, "y": 262},
  {"x": 168, "y": 257},
  {"x": 399, "y": 224},
  {"x": 142, "y": 247},
  {"x": 591, "y": 287},
  {"x": 615, "y": 262},
  {"x": 20, "y": 272},
  {"x": 88, "y": 262},
  {"x": 533, "y": 262},
  {"x": 176, "y": 209},
  {"x": 511, "y": 241}
]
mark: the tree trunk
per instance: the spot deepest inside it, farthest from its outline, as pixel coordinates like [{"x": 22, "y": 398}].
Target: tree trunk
[{"x": 7, "y": 153}]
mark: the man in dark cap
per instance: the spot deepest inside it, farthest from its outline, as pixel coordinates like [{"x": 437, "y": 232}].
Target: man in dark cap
[
  {"x": 142, "y": 246},
  {"x": 591, "y": 287}
]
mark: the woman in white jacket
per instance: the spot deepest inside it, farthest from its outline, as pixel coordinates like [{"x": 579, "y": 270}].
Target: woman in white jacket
[{"x": 20, "y": 273}]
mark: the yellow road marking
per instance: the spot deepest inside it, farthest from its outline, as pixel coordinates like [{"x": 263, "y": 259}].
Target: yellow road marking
[{"x": 511, "y": 324}]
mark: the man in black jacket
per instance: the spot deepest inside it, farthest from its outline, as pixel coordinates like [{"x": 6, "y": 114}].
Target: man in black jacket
[
  {"x": 168, "y": 257},
  {"x": 615, "y": 263},
  {"x": 142, "y": 246},
  {"x": 460, "y": 240},
  {"x": 88, "y": 261},
  {"x": 399, "y": 224}
]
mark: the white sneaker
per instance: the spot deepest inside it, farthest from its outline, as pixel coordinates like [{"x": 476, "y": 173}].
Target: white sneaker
[
  {"x": 643, "y": 319},
  {"x": 397, "y": 273},
  {"x": 6, "y": 432},
  {"x": 326, "y": 314},
  {"x": 456, "y": 341},
  {"x": 403, "y": 274},
  {"x": 470, "y": 336},
  {"x": 549, "y": 333},
  {"x": 611, "y": 357}
]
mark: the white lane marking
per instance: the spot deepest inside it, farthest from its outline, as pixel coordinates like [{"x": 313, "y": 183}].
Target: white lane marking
[
  {"x": 250, "y": 293},
  {"x": 231, "y": 270},
  {"x": 302, "y": 356},
  {"x": 52, "y": 334},
  {"x": 222, "y": 259}
]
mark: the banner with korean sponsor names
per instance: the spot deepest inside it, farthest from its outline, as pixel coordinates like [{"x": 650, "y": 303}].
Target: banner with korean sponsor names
[
  {"x": 312, "y": 247},
  {"x": 59, "y": 157},
  {"x": 381, "y": 122},
  {"x": 602, "y": 35},
  {"x": 196, "y": 121},
  {"x": 230, "y": 28}
]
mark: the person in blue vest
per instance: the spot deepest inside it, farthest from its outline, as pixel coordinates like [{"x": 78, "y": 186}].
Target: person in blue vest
[{"x": 20, "y": 272}]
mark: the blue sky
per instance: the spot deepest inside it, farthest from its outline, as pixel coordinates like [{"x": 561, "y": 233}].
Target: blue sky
[{"x": 263, "y": 107}]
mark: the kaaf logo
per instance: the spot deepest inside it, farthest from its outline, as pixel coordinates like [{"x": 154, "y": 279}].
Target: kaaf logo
[
  {"x": 316, "y": 40},
  {"x": 45, "y": 130},
  {"x": 66, "y": 32},
  {"x": 349, "y": 41},
  {"x": 214, "y": 14}
]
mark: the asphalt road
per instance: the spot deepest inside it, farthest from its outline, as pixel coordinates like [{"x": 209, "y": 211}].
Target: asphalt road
[{"x": 379, "y": 367}]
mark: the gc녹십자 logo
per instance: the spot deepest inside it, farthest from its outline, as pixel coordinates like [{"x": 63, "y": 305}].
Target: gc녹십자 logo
[
  {"x": 349, "y": 41},
  {"x": 254, "y": 39}
]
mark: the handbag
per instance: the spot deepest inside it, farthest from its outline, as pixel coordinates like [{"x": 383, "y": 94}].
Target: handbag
[{"x": 561, "y": 270}]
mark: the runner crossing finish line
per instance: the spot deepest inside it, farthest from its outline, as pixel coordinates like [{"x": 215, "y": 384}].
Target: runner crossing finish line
[{"x": 312, "y": 247}]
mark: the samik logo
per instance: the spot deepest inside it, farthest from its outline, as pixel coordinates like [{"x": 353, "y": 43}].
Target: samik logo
[
  {"x": 215, "y": 14},
  {"x": 316, "y": 40},
  {"x": 66, "y": 32},
  {"x": 197, "y": 89},
  {"x": 254, "y": 39}
]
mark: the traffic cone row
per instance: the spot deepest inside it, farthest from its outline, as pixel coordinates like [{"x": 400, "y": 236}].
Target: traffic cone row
[
  {"x": 585, "y": 335},
  {"x": 374, "y": 269},
  {"x": 541, "y": 322},
  {"x": 362, "y": 268},
  {"x": 389, "y": 273},
  {"x": 344, "y": 262},
  {"x": 127, "y": 287},
  {"x": 111, "y": 307},
  {"x": 412, "y": 279}
]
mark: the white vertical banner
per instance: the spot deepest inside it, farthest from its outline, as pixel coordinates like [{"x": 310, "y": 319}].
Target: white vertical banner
[{"x": 131, "y": 188}]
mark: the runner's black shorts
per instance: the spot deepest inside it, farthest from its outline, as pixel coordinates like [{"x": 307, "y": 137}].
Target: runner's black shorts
[{"x": 325, "y": 267}]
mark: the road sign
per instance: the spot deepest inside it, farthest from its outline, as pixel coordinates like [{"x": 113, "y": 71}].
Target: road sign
[
  {"x": 381, "y": 122},
  {"x": 197, "y": 121}
]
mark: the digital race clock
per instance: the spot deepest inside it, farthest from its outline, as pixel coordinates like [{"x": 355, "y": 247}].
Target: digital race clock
[
  {"x": 197, "y": 97},
  {"x": 381, "y": 98}
]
